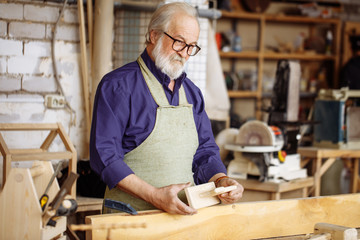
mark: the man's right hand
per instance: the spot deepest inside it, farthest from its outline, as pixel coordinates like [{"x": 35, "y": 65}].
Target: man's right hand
[{"x": 166, "y": 198}]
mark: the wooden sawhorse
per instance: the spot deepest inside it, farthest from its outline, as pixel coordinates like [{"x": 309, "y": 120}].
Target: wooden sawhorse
[{"x": 323, "y": 158}]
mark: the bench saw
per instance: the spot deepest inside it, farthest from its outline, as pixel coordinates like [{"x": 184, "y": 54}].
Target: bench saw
[{"x": 257, "y": 152}]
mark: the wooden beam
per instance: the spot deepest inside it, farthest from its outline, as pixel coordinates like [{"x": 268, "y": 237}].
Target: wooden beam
[
  {"x": 84, "y": 74},
  {"x": 239, "y": 221},
  {"x": 27, "y": 126},
  {"x": 102, "y": 42},
  {"x": 42, "y": 156},
  {"x": 49, "y": 139}
]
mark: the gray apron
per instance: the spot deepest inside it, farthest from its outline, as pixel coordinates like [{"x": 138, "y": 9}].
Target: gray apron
[{"x": 166, "y": 155}]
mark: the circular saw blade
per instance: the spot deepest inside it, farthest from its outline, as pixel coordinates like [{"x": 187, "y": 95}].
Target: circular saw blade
[{"x": 255, "y": 133}]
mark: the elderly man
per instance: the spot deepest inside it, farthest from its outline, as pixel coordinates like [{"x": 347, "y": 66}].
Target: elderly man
[{"x": 150, "y": 135}]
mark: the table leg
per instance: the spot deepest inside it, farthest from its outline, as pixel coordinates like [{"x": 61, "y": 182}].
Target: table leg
[
  {"x": 317, "y": 177},
  {"x": 355, "y": 175}
]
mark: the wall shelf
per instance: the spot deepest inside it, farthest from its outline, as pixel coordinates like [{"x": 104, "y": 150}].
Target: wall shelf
[{"x": 260, "y": 55}]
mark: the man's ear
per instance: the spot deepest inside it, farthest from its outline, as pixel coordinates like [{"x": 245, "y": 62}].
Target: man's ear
[{"x": 154, "y": 36}]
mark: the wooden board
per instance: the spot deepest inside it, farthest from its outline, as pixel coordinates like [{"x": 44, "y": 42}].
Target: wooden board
[
  {"x": 239, "y": 221},
  {"x": 20, "y": 211}
]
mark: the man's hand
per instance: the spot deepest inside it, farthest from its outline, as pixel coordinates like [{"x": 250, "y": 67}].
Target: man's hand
[
  {"x": 232, "y": 196},
  {"x": 166, "y": 198}
]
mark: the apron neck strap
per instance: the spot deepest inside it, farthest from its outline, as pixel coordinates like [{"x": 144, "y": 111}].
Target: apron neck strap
[{"x": 156, "y": 88}]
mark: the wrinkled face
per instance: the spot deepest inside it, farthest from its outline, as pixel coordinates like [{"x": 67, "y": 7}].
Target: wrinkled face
[{"x": 171, "y": 62}]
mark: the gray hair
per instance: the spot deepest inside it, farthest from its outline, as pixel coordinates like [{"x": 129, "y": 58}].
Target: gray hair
[{"x": 162, "y": 17}]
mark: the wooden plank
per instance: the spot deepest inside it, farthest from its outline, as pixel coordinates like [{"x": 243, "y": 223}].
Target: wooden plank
[
  {"x": 355, "y": 176},
  {"x": 239, "y": 221},
  {"x": 5, "y": 152},
  {"x": 25, "y": 150},
  {"x": 242, "y": 94},
  {"x": 243, "y": 54},
  {"x": 337, "y": 232},
  {"x": 299, "y": 56},
  {"x": 260, "y": 67},
  {"x": 27, "y": 126},
  {"x": 88, "y": 204},
  {"x": 20, "y": 210},
  {"x": 314, "y": 152},
  {"x": 84, "y": 73},
  {"x": 276, "y": 187},
  {"x": 49, "y": 139},
  {"x": 325, "y": 166},
  {"x": 73, "y": 158},
  {"x": 42, "y": 156}
]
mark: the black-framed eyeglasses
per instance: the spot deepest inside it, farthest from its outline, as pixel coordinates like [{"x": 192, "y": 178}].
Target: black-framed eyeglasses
[{"x": 178, "y": 46}]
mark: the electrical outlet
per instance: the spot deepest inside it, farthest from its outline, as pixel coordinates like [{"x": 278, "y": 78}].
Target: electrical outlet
[{"x": 54, "y": 101}]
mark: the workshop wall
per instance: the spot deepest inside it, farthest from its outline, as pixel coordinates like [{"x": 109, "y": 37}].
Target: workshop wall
[
  {"x": 129, "y": 40},
  {"x": 27, "y": 74}
]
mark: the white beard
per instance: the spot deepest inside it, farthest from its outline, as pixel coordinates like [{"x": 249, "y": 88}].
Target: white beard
[{"x": 172, "y": 65}]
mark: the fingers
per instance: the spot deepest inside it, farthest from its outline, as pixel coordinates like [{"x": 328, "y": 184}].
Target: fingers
[
  {"x": 234, "y": 195},
  {"x": 167, "y": 200}
]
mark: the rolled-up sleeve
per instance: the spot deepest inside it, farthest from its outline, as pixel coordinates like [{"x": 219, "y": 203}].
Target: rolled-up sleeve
[{"x": 110, "y": 116}]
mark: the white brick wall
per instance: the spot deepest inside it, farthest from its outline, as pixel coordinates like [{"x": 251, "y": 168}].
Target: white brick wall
[
  {"x": 41, "y": 13},
  {"x": 10, "y": 83},
  {"x": 3, "y": 65},
  {"x": 39, "y": 84},
  {"x": 26, "y": 71},
  {"x": 3, "y": 28},
  {"x": 37, "y": 48},
  {"x": 27, "y": 30},
  {"x": 64, "y": 32},
  {"x": 11, "y": 11},
  {"x": 71, "y": 16},
  {"x": 10, "y": 47},
  {"x": 23, "y": 65}
]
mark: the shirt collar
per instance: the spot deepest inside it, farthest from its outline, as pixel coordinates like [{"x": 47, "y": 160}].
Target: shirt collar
[{"x": 160, "y": 76}]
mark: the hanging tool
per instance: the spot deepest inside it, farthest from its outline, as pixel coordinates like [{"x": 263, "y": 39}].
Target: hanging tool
[
  {"x": 45, "y": 198},
  {"x": 120, "y": 206},
  {"x": 51, "y": 210}
]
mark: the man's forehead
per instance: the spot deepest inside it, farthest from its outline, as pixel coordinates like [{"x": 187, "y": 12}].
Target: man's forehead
[{"x": 185, "y": 27}]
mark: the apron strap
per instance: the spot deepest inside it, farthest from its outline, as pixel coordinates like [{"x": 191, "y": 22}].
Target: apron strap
[{"x": 156, "y": 88}]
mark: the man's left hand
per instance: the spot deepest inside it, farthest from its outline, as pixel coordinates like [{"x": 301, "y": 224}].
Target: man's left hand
[{"x": 232, "y": 196}]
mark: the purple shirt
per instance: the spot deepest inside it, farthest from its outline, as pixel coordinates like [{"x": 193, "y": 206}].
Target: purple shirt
[{"x": 124, "y": 116}]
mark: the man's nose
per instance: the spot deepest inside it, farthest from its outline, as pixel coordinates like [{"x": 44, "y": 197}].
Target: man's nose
[{"x": 183, "y": 53}]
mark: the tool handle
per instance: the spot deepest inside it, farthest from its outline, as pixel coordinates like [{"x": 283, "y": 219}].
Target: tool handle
[
  {"x": 43, "y": 201},
  {"x": 218, "y": 191}
]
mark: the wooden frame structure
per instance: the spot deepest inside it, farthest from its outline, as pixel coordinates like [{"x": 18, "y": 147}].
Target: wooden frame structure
[
  {"x": 323, "y": 158},
  {"x": 42, "y": 153},
  {"x": 251, "y": 220}
]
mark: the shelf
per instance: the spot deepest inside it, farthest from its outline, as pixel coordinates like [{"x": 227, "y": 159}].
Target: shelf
[
  {"x": 302, "y": 95},
  {"x": 242, "y": 94},
  {"x": 300, "y": 19},
  {"x": 277, "y": 56},
  {"x": 278, "y": 18},
  {"x": 261, "y": 55},
  {"x": 244, "y": 54},
  {"x": 298, "y": 56},
  {"x": 241, "y": 15}
]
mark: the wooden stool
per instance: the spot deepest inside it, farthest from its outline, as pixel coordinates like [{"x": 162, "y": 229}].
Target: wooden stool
[{"x": 260, "y": 191}]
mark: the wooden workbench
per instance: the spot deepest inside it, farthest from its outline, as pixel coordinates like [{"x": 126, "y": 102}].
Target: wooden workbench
[
  {"x": 323, "y": 158},
  {"x": 261, "y": 191},
  {"x": 252, "y": 220}
]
